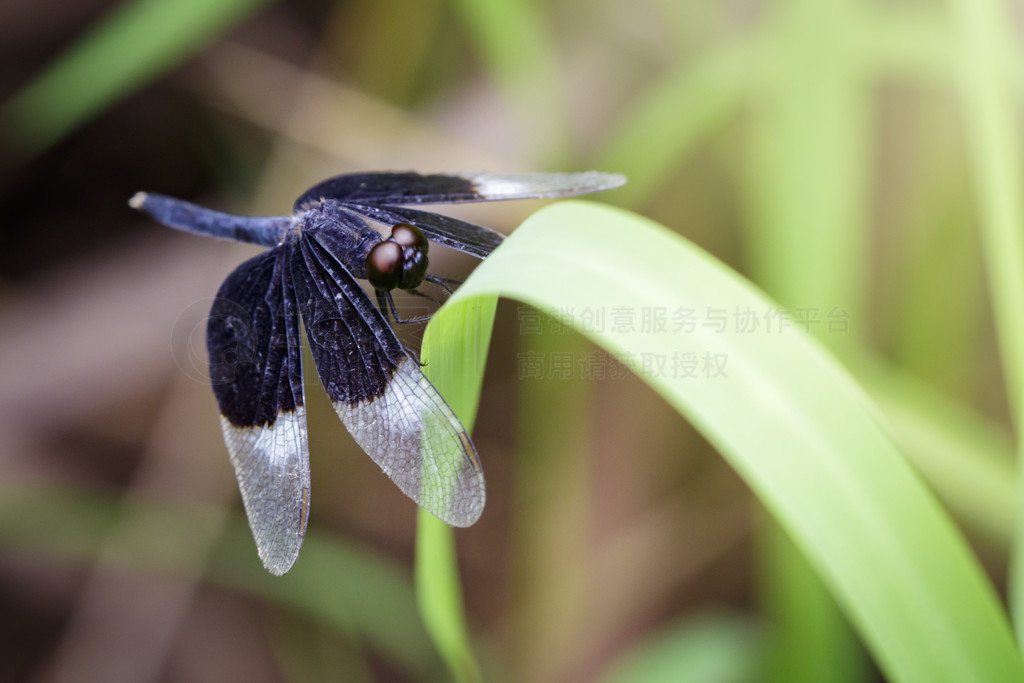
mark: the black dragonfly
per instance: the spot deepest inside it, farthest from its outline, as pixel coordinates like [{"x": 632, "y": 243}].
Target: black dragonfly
[{"x": 310, "y": 272}]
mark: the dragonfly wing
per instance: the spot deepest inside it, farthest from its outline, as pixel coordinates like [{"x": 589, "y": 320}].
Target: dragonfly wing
[
  {"x": 382, "y": 189},
  {"x": 392, "y": 411},
  {"x": 254, "y": 345}
]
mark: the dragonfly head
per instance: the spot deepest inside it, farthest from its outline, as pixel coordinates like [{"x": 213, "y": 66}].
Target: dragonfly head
[{"x": 400, "y": 261}]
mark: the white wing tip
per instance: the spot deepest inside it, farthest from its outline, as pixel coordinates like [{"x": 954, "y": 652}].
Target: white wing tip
[{"x": 543, "y": 185}]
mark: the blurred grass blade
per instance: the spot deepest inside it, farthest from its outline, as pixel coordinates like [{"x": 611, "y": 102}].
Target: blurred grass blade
[
  {"x": 439, "y": 596},
  {"x": 788, "y": 418},
  {"x": 519, "y": 50},
  {"x": 674, "y": 116},
  {"x": 135, "y": 43},
  {"x": 716, "y": 648},
  {"x": 907, "y": 40},
  {"x": 810, "y": 167},
  {"x": 992, "y": 118},
  {"x": 454, "y": 351},
  {"x": 374, "y": 603},
  {"x": 512, "y": 36}
]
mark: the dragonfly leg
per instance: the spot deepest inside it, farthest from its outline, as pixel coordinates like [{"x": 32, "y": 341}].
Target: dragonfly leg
[{"x": 386, "y": 302}]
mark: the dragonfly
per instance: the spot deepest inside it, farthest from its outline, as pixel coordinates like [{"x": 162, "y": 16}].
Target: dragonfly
[{"x": 310, "y": 273}]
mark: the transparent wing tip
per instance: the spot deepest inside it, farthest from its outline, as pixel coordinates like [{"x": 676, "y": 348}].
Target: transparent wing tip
[
  {"x": 277, "y": 566},
  {"x": 543, "y": 185}
]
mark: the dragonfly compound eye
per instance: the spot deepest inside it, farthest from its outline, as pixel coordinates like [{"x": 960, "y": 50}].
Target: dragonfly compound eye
[
  {"x": 400, "y": 260},
  {"x": 409, "y": 236},
  {"x": 384, "y": 265},
  {"x": 414, "y": 254}
]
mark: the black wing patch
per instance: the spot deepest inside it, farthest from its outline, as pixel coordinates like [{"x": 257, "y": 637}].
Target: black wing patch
[
  {"x": 380, "y": 394},
  {"x": 354, "y": 350},
  {"x": 389, "y": 188},
  {"x": 256, "y": 370}
]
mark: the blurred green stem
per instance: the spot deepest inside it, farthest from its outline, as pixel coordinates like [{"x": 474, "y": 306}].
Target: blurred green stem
[
  {"x": 675, "y": 115},
  {"x": 810, "y": 252},
  {"x": 439, "y": 595},
  {"x": 991, "y": 117},
  {"x": 454, "y": 352}
]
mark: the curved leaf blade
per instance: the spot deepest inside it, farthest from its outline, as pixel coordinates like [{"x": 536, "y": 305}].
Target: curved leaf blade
[{"x": 789, "y": 419}]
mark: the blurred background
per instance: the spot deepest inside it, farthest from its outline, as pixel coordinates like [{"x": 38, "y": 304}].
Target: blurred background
[{"x": 616, "y": 544}]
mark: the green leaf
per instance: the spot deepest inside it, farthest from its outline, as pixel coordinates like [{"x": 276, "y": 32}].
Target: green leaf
[{"x": 789, "y": 419}]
